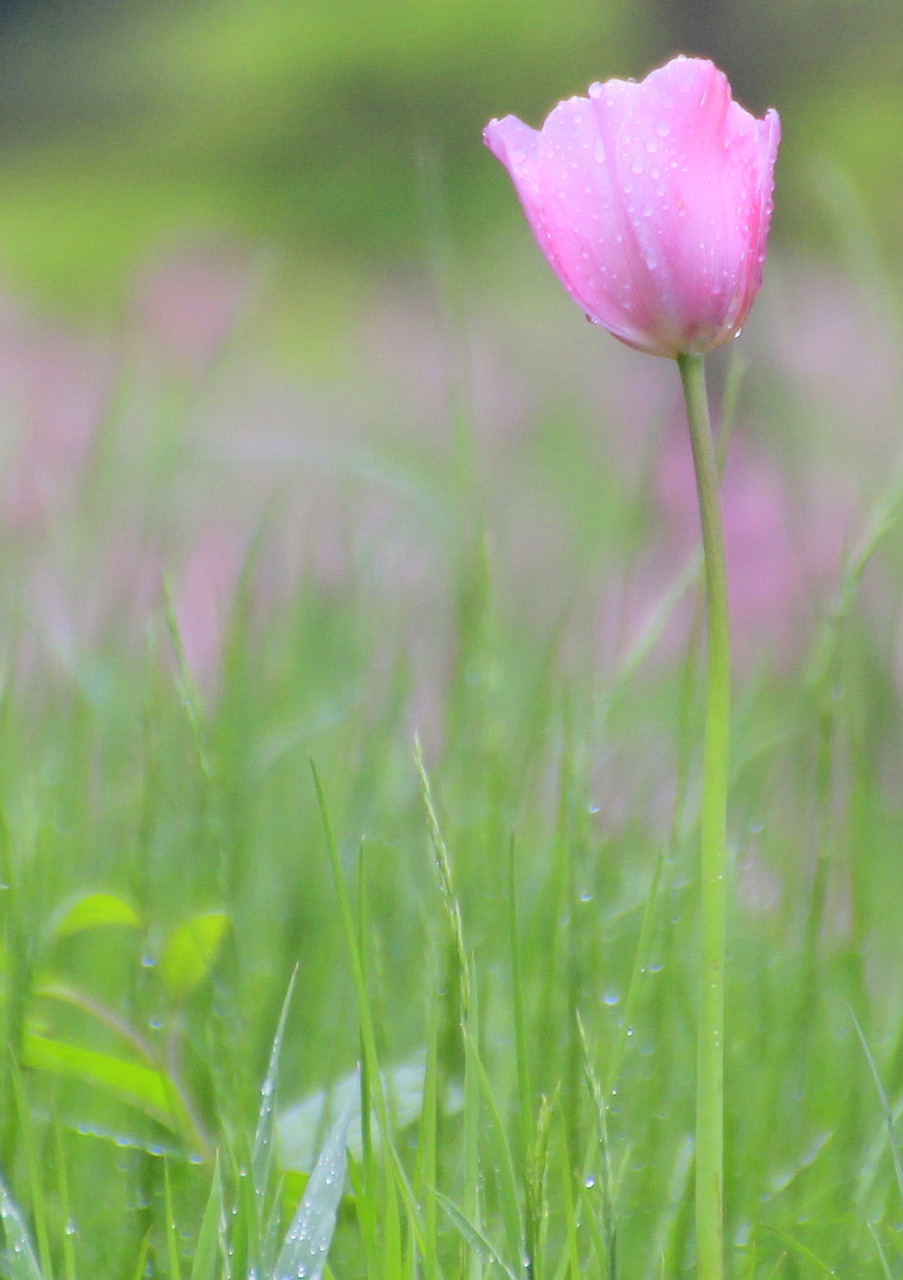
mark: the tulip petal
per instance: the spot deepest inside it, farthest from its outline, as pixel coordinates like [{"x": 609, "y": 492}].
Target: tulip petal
[{"x": 652, "y": 203}]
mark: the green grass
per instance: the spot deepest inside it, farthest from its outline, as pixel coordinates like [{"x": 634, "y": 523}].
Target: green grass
[{"x": 493, "y": 940}]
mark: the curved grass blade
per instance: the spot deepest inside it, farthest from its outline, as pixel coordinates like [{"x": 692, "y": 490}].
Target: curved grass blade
[
  {"x": 886, "y": 1109},
  {"x": 486, "y": 1251}
]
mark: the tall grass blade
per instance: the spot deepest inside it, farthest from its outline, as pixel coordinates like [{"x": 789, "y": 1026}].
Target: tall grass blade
[
  {"x": 886, "y": 1108},
  {"x": 208, "y": 1249},
  {"x": 263, "y": 1150},
  {"x": 473, "y": 1236}
]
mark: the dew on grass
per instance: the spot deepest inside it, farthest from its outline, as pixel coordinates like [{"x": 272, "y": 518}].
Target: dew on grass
[{"x": 611, "y": 998}]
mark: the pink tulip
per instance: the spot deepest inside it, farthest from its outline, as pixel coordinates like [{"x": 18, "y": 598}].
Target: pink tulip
[{"x": 652, "y": 203}]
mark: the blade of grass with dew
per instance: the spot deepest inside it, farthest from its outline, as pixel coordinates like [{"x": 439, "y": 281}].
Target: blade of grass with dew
[
  {"x": 62, "y": 1184},
  {"x": 262, "y": 1151},
  {"x": 35, "y": 1185},
  {"x": 21, "y": 1261},
  {"x": 307, "y": 1241}
]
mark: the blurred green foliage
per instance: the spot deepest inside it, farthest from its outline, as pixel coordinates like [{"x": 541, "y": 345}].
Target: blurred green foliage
[{"x": 309, "y": 125}]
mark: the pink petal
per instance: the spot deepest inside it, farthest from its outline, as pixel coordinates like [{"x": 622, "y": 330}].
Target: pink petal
[{"x": 652, "y": 203}]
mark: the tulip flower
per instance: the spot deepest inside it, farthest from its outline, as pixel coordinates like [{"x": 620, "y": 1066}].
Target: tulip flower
[{"x": 652, "y": 203}]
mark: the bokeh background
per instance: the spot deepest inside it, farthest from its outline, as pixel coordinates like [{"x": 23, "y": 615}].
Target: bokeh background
[{"x": 262, "y": 286}]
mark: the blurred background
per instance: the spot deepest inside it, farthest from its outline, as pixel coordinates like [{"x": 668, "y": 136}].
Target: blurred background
[{"x": 261, "y": 280}]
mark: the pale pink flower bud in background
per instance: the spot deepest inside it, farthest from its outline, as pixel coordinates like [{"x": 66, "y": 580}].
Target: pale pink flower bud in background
[{"x": 652, "y": 203}]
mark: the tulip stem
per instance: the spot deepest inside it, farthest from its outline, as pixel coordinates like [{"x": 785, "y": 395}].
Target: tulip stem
[{"x": 710, "y": 1048}]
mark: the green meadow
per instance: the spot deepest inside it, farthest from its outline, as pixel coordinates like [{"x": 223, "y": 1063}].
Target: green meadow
[{"x": 352, "y": 676}]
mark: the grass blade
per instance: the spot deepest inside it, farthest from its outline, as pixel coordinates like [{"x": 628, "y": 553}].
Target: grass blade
[
  {"x": 886, "y": 1108},
  {"x": 303, "y": 1255},
  {"x": 21, "y": 1262},
  {"x": 486, "y": 1251},
  {"x": 207, "y": 1249}
]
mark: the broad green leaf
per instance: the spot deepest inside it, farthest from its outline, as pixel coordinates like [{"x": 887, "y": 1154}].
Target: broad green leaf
[
  {"x": 94, "y": 911},
  {"x": 152, "y": 1092},
  {"x": 190, "y": 952},
  {"x": 307, "y": 1241}
]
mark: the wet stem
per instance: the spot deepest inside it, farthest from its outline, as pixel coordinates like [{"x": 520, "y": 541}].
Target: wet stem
[{"x": 710, "y": 1045}]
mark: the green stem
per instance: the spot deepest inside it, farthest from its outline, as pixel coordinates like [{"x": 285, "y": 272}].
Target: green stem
[{"x": 710, "y": 1060}]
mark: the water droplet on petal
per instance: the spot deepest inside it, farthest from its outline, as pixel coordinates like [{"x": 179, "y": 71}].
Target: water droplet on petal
[{"x": 662, "y": 128}]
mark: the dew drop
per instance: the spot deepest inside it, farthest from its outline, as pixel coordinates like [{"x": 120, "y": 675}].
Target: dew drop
[
  {"x": 652, "y": 145},
  {"x": 598, "y": 150},
  {"x": 662, "y": 128},
  {"x": 638, "y": 165}
]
